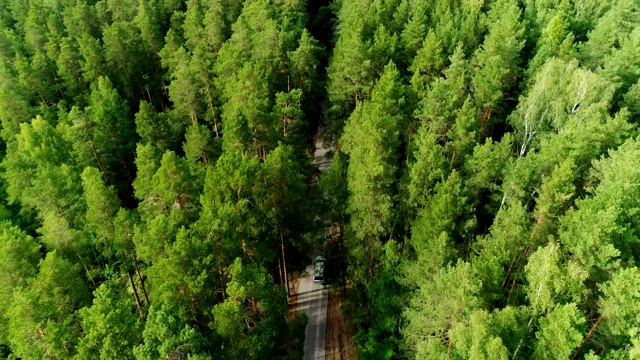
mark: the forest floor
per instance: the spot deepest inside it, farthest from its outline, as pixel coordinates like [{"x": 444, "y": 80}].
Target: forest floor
[{"x": 339, "y": 345}]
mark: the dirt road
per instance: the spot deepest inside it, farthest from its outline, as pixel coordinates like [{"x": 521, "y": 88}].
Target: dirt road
[{"x": 312, "y": 299}]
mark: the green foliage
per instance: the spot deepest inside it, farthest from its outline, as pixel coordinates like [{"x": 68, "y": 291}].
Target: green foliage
[
  {"x": 154, "y": 128},
  {"x": 443, "y": 299},
  {"x": 482, "y": 201},
  {"x": 477, "y": 338},
  {"x": 165, "y": 333},
  {"x": 102, "y": 203},
  {"x": 18, "y": 263},
  {"x": 111, "y": 328},
  {"x": 253, "y": 316},
  {"x": 619, "y": 303},
  {"x": 40, "y": 172},
  {"x": 496, "y": 61},
  {"x": 559, "y": 333},
  {"x": 435, "y": 225},
  {"x": 147, "y": 163},
  {"x": 371, "y": 138},
  {"x": 429, "y": 167},
  {"x": 387, "y": 301},
  {"x": 42, "y": 317},
  {"x": 333, "y": 185},
  {"x": 285, "y": 187}
]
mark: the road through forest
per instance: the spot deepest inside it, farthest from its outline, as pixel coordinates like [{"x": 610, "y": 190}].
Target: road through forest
[{"x": 312, "y": 297}]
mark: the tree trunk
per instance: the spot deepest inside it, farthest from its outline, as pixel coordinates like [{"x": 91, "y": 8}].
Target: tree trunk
[
  {"x": 144, "y": 289},
  {"x": 194, "y": 117},
  {"x": 213, "y": 113},
  {"x": 486, "y": 115},
  {"x": 593, "y": 329},
  {"x": 135, "y": 293},
  {"x": 221, "y": 272},
  {"x": 284, "y": 265},
  {"x": 89, "y": 274},
  {"x": 86, "y": 269},
  {"x": 453, "y": 159},
  {"x": 280, "y": 269}
]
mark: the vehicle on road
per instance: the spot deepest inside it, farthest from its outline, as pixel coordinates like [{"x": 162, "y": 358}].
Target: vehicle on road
[{"x": 318, "y": 270}]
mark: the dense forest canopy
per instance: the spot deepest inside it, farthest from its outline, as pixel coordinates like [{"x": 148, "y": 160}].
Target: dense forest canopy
[{"x": 158, "y": 185}]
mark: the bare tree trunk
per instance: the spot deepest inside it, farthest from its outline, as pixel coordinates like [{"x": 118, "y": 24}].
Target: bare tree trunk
[
  {"x": 89, "y": 274},
  {"x": 213, "y": 114},
  {"x": 144, "y": 289},
  {"x": 515, "y": 353},
  {"x": 221, "y": 271},
  {"x": 194, "y": 117},
  {"x": 593, "y": 329},
  {"x": 453, "y": 159},
  {"x": 486, "y": 115},
  {"x": 284, "y": 265},
  {"x": 135, "y": 294},
  {"x": 280, "y": 269}
]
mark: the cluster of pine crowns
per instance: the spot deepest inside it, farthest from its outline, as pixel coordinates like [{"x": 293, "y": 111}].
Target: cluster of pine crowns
[{"x": 156, "y": 176}]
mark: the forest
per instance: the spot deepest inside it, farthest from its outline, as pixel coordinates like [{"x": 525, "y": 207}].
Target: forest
[{"x": 157, "y": 184}]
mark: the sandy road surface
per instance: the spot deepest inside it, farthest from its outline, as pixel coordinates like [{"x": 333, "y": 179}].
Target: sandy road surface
[{"x": 312, "y": 297}]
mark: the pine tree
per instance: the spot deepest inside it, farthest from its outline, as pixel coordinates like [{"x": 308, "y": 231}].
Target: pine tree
[
  {"x": 200, "y": 147},
  {"x": 102, "y": 207},
  {"x": 110, "y": 133},
  {"x": 173, "y": 186},
  {"x": 247, "y": 126},
  {"x": 94, "y": 64},
  {"x": 427, "y": 64},
  {"x": 166, "y": 334},
  {"x": 147, "y": 163},
  {"x": 290, "y": 119},
  {"x": 154, "y": 128},
  {"x": 559, "y": 333},
  {"x": 350, "y": 69},
  {"x": 444, "y": 95},
  {"x": 251, "y": 295},
  {"x": 443, "y": 299},
  {"x": 42, "y": 321},
  {"x": 111, "y": 328},
  {"x": 15, "y": 103},
  {"x": 427, "y": 169},
  {"x": 69, "y": 67},
  {"x": 614, "y": 24},
  {"x": 40, "y": 172},
  {"x": 556, "y": 40},
  {"x": 19, "y": 262},
  {"x": 150, "y": 29},
  {"x": 496, "y": 61}
]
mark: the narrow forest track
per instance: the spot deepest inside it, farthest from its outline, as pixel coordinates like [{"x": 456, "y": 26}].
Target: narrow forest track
[{"x": 312, "y": 298}]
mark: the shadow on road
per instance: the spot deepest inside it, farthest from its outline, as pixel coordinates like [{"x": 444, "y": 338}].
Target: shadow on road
[{"x": 298, "y": 295}]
